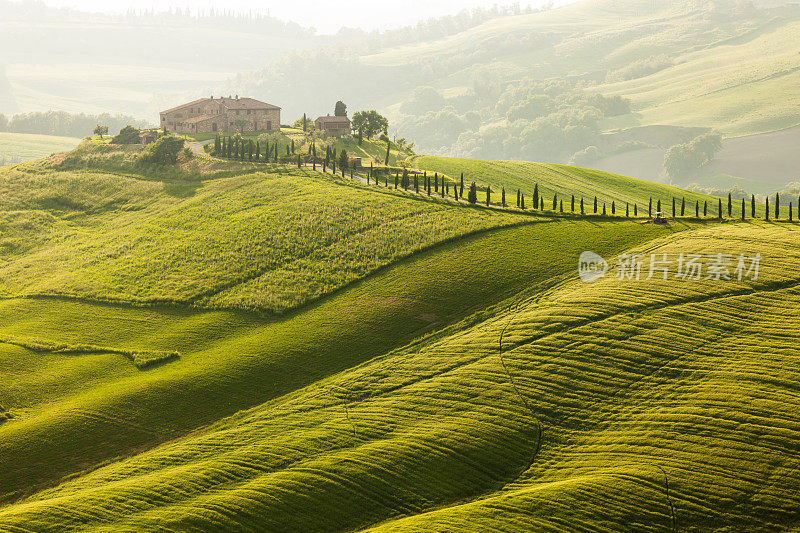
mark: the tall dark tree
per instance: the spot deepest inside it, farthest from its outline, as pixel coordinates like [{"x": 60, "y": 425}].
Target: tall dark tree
[
  {"x": 561, "y": 206},
  {"x": 658, "y": 206},
  {"x": 752, "y": 206},
  {"x": 705, "y": 208},
  {"x": 604, "y": 209},
  {"x": 627, "y": 210},
  {"x": 555, "y": 202},
  {"x": 343, "y": 160},
  {"x": 503, "y": 201},
  {"x": 790, "y": 211},
  {"x": 743, "y": 208},
  {"x": 613, "y": 208},
  {"x": 697, "y": 209},
  {"x": 777, "y": 206},
  {"x": 581, "y": 205},
  {"x": 292, "y": 146},
  {"x": 405, "y": 183},
  {"x": 673, "y": 207},
  {"x": 635, "y": 210},
  {"x": 435, "y": 182},
  {"x": 416, "y": 183},
  {"x": 517, "y": 197},
  {"x": 766, "y": 211},
  {"x": 683, "y": 206},
  {"x": 650, "y": 208},
  {"x": 595, "y": 205},
  {"x": 388, "y": 148},
  {"x": 305, "y": 123},
  {"x": 340, "y": 110},
  {"x": 730, "y": 205},
  {"x": 719, "y": 208},
  {"x": 572, "y": 204},
  {"x": 217, "y": 145},
  {"x": 522, "y": 201},
  {"x": 461, "y": 186},
  {"x": 488, "y": 195},
  {"x": 472, "y": 197},
  {"x": 258, "y": 150},
  {"x": 535, "y": 195}
]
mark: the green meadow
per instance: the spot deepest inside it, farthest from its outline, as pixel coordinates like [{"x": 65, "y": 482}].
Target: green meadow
[
  {"x": 238, "y": 347},
  {"x": 16, "y": 147}
]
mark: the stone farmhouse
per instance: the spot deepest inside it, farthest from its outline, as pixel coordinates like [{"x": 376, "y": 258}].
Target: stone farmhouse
[
  {"x": 208, "y": 115},
  {"x": 333, "y": 126}
]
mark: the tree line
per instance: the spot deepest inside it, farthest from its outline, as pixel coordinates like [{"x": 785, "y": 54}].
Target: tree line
[{"x": 66, "y": 124}]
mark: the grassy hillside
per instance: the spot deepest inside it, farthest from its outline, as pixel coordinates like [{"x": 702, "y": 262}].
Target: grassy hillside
[
  {"x": 17, "y": 147},
  {"x": 564, "y": 181},
  {"x": 269, "y": 240},
  {"x": 620, "y": 405}
]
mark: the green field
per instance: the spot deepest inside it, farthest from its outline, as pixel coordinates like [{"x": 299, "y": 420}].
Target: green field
[
  {"x": 16, "y": 147},
  {"x": 565, "y": 181},
  {"x": 270, "y": 348},
  {"x": 616, "y": 405}
]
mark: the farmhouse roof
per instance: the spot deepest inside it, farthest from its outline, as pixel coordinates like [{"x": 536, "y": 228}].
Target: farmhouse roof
[
  {"x": 231, "y": 103},
  {"x": 334, "y": 119}
]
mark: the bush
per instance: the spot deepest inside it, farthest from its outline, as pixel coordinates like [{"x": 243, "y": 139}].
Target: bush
[
  {"x": 127, "y": 135},
  {"x": 162, "y": 152}
]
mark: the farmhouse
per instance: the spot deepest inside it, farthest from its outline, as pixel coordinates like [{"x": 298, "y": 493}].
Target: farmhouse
[
  {"x": 336, "y": 126},
  {"x": 222, "y": 114}
]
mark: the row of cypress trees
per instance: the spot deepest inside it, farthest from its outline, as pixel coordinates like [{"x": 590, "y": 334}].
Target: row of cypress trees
[{"x": 245, "y": 149}]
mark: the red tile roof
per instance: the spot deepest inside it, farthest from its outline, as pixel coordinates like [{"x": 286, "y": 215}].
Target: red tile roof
[
  {"x": 201, "y": 118},
  {"x": 333, "y": 119}
]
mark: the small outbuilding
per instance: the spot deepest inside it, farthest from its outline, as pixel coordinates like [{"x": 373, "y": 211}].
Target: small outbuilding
[{"x": 333, "y": 126}]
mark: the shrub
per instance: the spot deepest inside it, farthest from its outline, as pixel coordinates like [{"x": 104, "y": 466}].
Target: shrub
[
  {"x": 162, "y": 152},
  {"x": 127, "y": 135}
]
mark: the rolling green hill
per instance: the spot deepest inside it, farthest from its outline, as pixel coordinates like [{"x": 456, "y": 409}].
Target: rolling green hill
[
  {"x": 565, "y": 181},
  {"x": 261, "y": 347},
  {"x": 620, "y": 405}
]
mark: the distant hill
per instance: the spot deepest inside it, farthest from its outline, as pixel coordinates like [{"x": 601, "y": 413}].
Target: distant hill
[{"x": 528, "y": 86}]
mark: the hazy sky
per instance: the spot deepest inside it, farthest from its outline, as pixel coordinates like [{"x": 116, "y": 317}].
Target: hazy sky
[{"x": 325, "y": 16}]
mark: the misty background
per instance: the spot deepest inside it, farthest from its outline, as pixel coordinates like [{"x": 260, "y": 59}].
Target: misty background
[{"x": 702, "y": 94}]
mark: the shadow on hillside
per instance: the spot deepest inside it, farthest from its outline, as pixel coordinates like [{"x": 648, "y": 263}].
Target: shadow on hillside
[{"x": 181, "y": 188}]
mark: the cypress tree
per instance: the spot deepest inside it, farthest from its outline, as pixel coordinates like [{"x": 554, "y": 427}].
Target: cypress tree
[
  {"x": 304, "y": 123},
  {"x": 635, "y": 210},
  {"x": 436, "y": 182},
  {"x": 650, "y": 208},
  {"x": 388, "y": 147},
  {"x": 276, "y": 151},
  {"x": 719, "y": 208},
  {"x": 428, "y": 185},
  {"x": 472, "y": 197},
  {"x": 697, "y": 209},
  {"x": 581, "y": 205},
  {"x": 561, "y": 206},
  {"x": 517, "y": 197},
  {"x": 604, "y": 209},
  {"x": 730, "y": 205},
  {"x": 455, "y": 192},
  {"x": 299, "y": 165},
  {"x": 447, "y": 187},
  {"x": 555, "y": 202},
  {"x": 416, "y": 183},
  {"x": 396, "y": 180},
  {"x": 441, "y": 189},
  {"x": 613, "y": 208},
  {"x": 522, "y": 202},
  {"x": 461, "y": 186},
  {"x": 743, "y": 208},
  {"x": 216, "y": 145},
  {"x": 752, "y": 206},
  {"x": 705, "y": 208},
  {"x": 541, "y": 200},
  {"x": 292, "y": 146},
  {"x": 627, "y": 210},
  {"x": 790, "y": 211},
  {"x": 488, "y": 195},
  {"x": 535, "y": 195},
  {"x": 673, "y": 207},
  {"x": 766, "y": 211},
  {"x": 777, "y": 206},
  {"x": 504, "y": 197},
  {"x": 572, "y": 204},
  {"x": 658, "y": 206},
  {"x": 683, "y": 205},
  {"x": 258, "y": 150},
  {"x": 595, "y": 205}
]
